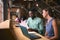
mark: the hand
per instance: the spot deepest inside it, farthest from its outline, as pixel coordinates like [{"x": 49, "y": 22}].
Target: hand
[
  {"x": 47, "y": 37},
  {"x": 29, "y": 29}
]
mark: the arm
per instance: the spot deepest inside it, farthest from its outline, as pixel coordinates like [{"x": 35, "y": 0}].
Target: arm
[
  {"x": 41, "y": 28},
  {"x": 55, "y": 30},
  {"x": 46, "y": 33},
  {"x": 27, "y": 22}
]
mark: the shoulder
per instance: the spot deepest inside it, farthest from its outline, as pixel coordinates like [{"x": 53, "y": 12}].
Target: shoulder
[
  {"x": 54, "y": 23},
  {"x": 54, "y": 20},
  {"x": 39, "y": 19},
  {"x": 29, "y": 18}
]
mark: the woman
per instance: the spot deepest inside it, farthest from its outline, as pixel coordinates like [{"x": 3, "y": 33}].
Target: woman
[{"x": 51, "y": 27}]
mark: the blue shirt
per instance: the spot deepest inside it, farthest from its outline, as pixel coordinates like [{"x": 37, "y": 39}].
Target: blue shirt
[
  {"x": 36, "y": 23},
  {"x": 49, "y": 28}
]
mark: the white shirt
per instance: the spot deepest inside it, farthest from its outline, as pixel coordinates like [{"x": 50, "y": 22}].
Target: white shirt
[{"x": 23, "y": 23}]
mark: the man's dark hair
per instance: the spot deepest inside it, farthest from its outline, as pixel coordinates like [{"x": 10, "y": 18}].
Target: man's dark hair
[
  {"x": 24, "y": 17},
  {"x": 33, "y": 10}
]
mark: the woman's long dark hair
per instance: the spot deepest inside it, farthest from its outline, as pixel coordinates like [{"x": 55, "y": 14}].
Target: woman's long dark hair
[{"x": 50, "y": 12}]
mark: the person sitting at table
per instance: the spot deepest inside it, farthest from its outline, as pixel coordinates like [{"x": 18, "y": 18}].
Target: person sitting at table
[
  {"x": 23, "y": 21},
  {"x": 51, "y": 26},
  {"x": 35, "y": 23}
]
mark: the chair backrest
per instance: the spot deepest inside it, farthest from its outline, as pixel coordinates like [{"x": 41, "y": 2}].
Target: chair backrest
[{"x": 19, "y": 34}]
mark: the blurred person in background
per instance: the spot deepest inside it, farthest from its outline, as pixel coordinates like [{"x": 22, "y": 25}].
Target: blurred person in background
[{"x": 15, "y": 18}]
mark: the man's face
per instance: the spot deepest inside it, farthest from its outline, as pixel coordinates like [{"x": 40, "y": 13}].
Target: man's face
[{"x": 30, "y": 13}]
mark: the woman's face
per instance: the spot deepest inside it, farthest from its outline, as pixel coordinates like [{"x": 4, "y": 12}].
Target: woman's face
[{"x": 45, "y": 13}]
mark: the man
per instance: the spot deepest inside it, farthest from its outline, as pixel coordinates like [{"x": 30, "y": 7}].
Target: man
[{"x": 35, "y": 23}]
